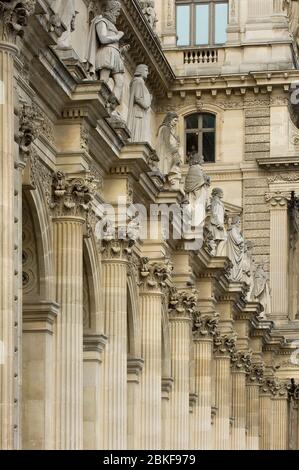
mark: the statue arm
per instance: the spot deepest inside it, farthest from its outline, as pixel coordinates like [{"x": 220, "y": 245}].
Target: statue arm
[{"x": 106, "y": 38}]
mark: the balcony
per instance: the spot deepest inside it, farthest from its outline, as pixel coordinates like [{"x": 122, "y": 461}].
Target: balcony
[{"x": 196, "y": 61}]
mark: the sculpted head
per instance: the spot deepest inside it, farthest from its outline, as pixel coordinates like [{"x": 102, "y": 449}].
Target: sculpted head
[
  {"x": 236, "y": 220},
  {"x": 217, "y": 192},
  {"x": 142, "y": 71},
  {"x": 171, "y": 120},
  {"x": 112, "y": 10}
]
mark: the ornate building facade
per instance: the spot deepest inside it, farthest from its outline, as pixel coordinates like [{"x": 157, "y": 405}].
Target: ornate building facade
[{"x": 149, "y": 201}]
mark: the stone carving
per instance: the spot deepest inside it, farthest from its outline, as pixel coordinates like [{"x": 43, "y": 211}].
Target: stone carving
[
  {"x": 139, "y": 106},
  {"x": 30, "y": 123},
  {"x": 255, "y": 374},
  {"x": 14, "y": 16},
  {"x": 217, "y": 227},
  {"x": 248, "y": 268},
  {"x": 278, "y": 198},
  {"x": 148, "y": 8},
  {"x": 196, "y": 188},
  {"x": 116, "y": 248},
  {"x": 235, "y": 246},
  {"x": 261, "y": 290},
  {"x": 154, "y": 275},
  {"x": 224, "y": 344},
  {"x": 182, "y": 303},
  {"x": 168, "y": 150},
  {"x": 241, "y": 361},
  {"x": 65, "y": 13},
  {"x": 204, "y": 325},
  {"x": 104, "y": 53}
]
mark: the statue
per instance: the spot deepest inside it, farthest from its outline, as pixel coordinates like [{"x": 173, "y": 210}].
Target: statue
[
  {"x": 235, "y": 245},
  {"x": 66, "y": 12},
  {"x": 139, "y": 106},
  {"x": 261, "y": 290},
  {"x": 196, "y": 188},
  {"x": 217, "y": 228},
  {"x": 248, "y": 268},
  {"x": 104, "y": 54},
  {"x": 168, "y": 150},
  {"x": 148, "y": 8}
]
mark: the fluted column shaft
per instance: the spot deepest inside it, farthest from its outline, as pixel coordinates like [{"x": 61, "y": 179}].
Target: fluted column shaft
[
  {"x": 68, "y": 255},
  {"x": 179, "y": 399},
  {"x": 280, "y": 423},
  {"x": 115, "y": 358},
  {"x": 238, "y": 438},
  {"x": 266, "y": 421},
  {"x": 151, "y": 379},
  {"x": 253, "y": 407},
  {"x": 203, "y": 350},
  {"x": 223, "y": 397},
  {"x": 7, "y": 328}
]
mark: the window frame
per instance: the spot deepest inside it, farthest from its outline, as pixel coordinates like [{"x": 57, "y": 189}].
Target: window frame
[
  {"x": 192, "y": 26},
  {"x": 200, "y": 130}
]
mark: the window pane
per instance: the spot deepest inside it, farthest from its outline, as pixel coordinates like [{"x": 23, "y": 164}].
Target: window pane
[
  {"x": 192, "y": 122},
  {"x": 221, "y": 14},
  {"x": 209, "y": 146},
  {"x": 209, "y": 121},
  {"x": 192, "y": 143},
  {"x": 202, "y": 24},
  {"x": 183, "y": 25}
]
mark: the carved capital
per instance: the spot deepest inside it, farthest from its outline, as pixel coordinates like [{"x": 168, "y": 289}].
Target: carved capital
[
  {"x": 255, "y": 374},
  {"x": 204, "y": 325},
  {"x": 71, "y": 196},
  {"x": 278, "y": 199},
  {"x": 241, "y": 361},
  {"x": 154, "y": 275},
  {"x": 224, "y": 344},
  {"x": 182, "y": 304},
  {"x": 30, "y": 123},
  {"x": 14, "y": 15},
  {"x": 117, "y": 249},
  {"x": 277, "y": 388}
]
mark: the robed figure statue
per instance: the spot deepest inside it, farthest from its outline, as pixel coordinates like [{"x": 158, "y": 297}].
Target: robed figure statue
[{"x": 139, "y": 106}]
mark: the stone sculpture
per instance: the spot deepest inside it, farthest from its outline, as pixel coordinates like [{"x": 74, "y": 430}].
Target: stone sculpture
[
  {"x": 217, "y": 227},
  {"x": 248, "y": 267},
  {"x": 168, "y": 150},
  {"x": 235, "y": 246},
  {"x": 104, "y": 54},
  {"x": 148, "y": 8},
  {"x": 196, "y": 188},
  {"x": 66, "y": 13},
  {"x": 261, "y": 290},
  {"x": 139, "y": 106}
]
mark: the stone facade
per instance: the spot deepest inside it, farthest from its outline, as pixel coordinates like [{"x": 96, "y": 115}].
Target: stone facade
[{"x": 114, "y": 338}]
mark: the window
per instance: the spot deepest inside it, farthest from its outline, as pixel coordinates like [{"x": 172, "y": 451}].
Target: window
[
  {"x": 201, "y": 22},
  {"x": 200, "y": 130}
]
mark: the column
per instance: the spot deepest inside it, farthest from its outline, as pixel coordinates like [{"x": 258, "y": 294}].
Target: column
[
  {"x": 254, "y": 380},
  {"x": 10, "y": 328},
  {"x": 38, "y": 376},
  {"x": 266, "y": 417},
  {"x": 239, "y": 363},
  {"x": 70, "y": 199},
  {"x": 181, "y": 305},
  {"x": 135, "y": 367},
  {"x": 279, "y": 249},
  {"x": 280, "y": 418},
  {"x": 151, "y": 278},
  {"x": 167, "y": 384},
  {"x": 93, "y": 431},
  {"x": 203, "y": 329},
  {"x": 115, "y": 261},
  {"x": 223, "y": 348}
]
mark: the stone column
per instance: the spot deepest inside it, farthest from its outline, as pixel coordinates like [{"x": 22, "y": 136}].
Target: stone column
[
  {"x": 204, "y": 328},
  {"x": 167, "y": 384},
  {"x": 279, "y": 250},
  {"x": 254, "y": 380},
  {"x": 223, "y": 348},
  {"x": 280, "y": 417},
  {"x": 152, "y": 279},
  {"x": 266, "y": 421},
  {"x": 181, "y": 306},
  {"x": 115, "y": 261},
  {"x": 93, "y": 346},
  {"x": 70, "y": 201},
  {"x": 135, "y": 367},
  {"x": 240, "y": 362},
  {"x": 12, "y": 21}
]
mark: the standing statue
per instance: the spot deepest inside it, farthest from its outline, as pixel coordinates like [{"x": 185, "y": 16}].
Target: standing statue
[
  {"x": 66, "y": 12},
  {"x": 235, "y": 245},
  {"x": 217, "y": 227},
  {"x": 196, "y": 188},
  {"x": 248, "y": 268},
  {"x": 261, "y": 290},
  {"x": 148, "y": 8},
  {"x": 104, "y": 54},
  {"x": 168, "y": 149},
  {"x": 139, "y": 106}
]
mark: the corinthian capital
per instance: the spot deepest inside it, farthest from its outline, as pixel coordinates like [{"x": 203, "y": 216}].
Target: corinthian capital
[
  {"x": 182, "y": 304},
  {"x": 224, "y": 344},
  {"x": 255, "y": 374},
  {"x": 14, "y": 16},
  {"x": 278, "y": 198},
  {"x": 29, "y": 127},
  {"x": 241, "y": 361},
  {"x": 204, "y": 325},
  {"x": 71, "y": 196},
  {"x": 154, "y": 275}
]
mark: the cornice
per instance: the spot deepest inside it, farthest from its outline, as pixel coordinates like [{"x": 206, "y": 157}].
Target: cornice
[{"x": 279, "y": 163}]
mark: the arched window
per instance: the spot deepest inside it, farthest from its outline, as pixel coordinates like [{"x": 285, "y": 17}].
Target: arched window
[
  {"x": 201, "y": 22},
  {"x": 200, "y": 131}
]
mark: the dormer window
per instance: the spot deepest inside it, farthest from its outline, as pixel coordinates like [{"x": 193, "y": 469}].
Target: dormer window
[{"x": 201, "y": 22}]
